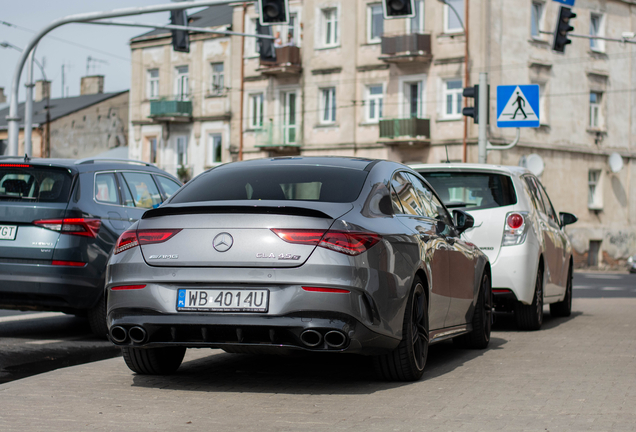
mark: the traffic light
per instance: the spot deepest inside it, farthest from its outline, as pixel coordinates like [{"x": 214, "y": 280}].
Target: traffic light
[
  {"x": 398, "y": 9},
  {"x": 473, "y": 92},
  {"x": 562, "y": 29},
  {"x": 273, "y": 12},
  {"x": 180, "y": 38}
]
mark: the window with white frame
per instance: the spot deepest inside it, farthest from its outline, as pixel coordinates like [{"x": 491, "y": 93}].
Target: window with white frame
[
  {"x": 330, "y": 27},
  {"x": 328, "y": 105},
  {"x": 412, "y": 98},
  {"x": 252, "y": 48},
  {"x": 153, "y": 83},
  {"x": 182, "y": 83},
  {"x": 416, "y": 24},
  {"x": 256, "y": 111},
  {"x": 290, "y": 33},
  {"x": 375, "y": 102},
  {"x": 215, "y": 149},
  {"x": 217, "y": 83},
  {"x": 182, "y": 150},
  {"x": 594, "y": 197},
  {"x": 375, "y": 23},
  {"x": 536, "y": 19},
  {"x": 452, "y": 23},
  {"x": 596, "y": 29},
  {"x": 596, "y": 118},
  {"x": 452, "y": 99},
  {"x": 152, "y": 146}
]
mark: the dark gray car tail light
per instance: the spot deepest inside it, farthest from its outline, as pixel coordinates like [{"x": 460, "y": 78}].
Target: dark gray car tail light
[
  {"x": 133, "y": 238},
  {"x": 75, "y": 226},
  {"x": 349, "y": 243}
]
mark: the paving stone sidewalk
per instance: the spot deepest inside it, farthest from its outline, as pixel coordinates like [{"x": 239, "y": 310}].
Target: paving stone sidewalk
[{"x": 576, "y": 374}]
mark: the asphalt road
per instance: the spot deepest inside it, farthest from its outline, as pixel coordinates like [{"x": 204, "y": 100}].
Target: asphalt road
[{"x": 604, "y": 285}]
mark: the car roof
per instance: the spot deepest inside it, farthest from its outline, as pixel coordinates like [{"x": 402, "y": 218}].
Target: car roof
[
  {"x": 332, "y": 161},
  {"x": 84, "y": 165},
  {"x": 467, "y": 167}
]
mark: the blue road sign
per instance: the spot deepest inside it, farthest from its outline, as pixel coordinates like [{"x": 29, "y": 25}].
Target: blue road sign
[
  {"x": 566, "y": 2},
  {"x": 518, "y": 106}
]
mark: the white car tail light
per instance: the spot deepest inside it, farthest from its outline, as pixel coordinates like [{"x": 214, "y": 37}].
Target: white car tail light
[{"x": 515, "y": 229}]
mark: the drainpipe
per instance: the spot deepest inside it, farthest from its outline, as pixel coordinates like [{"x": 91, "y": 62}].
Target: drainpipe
[
  {"x": 240, "y": 155},
  {"x": 466, "y": 83}
]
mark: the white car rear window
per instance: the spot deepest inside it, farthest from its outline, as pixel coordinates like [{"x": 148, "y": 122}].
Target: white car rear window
[{"x": 472, "y": 191}]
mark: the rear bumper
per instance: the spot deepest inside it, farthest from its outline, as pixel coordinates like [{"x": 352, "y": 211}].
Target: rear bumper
[
  {"x": 48, "y": 287},
  {"x": 236, "y": 332},
  {"x": 516, "y": 269}
]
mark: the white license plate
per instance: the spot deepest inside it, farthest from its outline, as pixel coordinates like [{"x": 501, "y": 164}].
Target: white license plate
[
  {"x": 223, "y": 300},
  {"x": 8, "y": 232}
]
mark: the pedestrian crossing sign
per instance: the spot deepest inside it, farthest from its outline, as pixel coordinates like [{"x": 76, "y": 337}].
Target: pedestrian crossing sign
[{"x": 518, "y": 106}]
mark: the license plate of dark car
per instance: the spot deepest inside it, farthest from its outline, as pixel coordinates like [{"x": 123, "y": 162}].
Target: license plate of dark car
[
  {"x": 7, "y": 232},
  {"x": 223, "y": 300}
]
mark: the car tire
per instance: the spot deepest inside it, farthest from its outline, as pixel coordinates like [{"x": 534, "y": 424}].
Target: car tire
[
  {"x": 407, "y": 361},
  {"x": 97, "y": 319},
  {"x": 564, "y": 307},
  {"x": 530, "y": 317},
  {"x": 153, "y": 361},
  {"x": 479, "y": 337}
]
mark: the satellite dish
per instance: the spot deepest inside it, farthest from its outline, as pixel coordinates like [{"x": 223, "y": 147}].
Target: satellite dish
[
  {"x": 615, "y": 162},
  {"x": 535, "y": 164}
]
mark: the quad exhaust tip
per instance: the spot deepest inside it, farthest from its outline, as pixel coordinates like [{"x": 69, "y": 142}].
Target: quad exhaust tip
[
  {"x": 311, "y": 338},
  {"x": 118, "y": 334},
  {"x": 137, "y": 334},
  {"x": 335, "y": 339}
]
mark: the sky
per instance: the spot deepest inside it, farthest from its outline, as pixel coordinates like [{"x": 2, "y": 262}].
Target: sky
[{"x": 71, "y": 44}]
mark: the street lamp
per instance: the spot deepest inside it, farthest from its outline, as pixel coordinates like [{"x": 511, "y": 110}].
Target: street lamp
[{"x": 28, "y": 109}]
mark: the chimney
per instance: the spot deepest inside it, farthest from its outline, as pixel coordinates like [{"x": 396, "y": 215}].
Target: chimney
[
  {"x": 92, "y": 85},
  {"x": 3, "y": 98},
  {"x": 42, "y": 90}
]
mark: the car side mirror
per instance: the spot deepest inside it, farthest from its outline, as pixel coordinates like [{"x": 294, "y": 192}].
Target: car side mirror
[
  {"x": 463, "y": 220},
  {"x": 567, "y": 218}
]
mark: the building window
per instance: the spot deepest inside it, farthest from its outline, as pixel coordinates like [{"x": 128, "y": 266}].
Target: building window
[
  {"x": 290, "y": 32},
  {"x": 153, "y": 83},
  {"x": 256, "y": 111},
  {"x": 452, "y": 99},
  {"x": 182, "y": 151},
  {"x": 252, "y": 47},
  {"x": 537, "y": 19},
  {"x": 452, "y": 24},
  {"x": 412, "y": 99},
  {"x": 594, "y": 197},
  {"x": 330, "y": 27},
  {"x": 375, "y": 102},
  {"x": 217, "y": 84},
  {"x": 596, "y": 29},
  {"x": 182, "y": 83},
  {"x": 596, "y": 121},
  {"x": 416, "y": 24},
  {"x": 215, "y": 149},
  {"x": 289, "y": 117},
  {"x": 375, "y": 23},
  {"x": 328, "y": 106},
  {"x": 152, "y": 144}
]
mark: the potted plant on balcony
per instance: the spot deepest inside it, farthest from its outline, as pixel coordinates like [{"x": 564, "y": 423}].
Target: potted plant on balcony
[{"x": 183, "y": 172}]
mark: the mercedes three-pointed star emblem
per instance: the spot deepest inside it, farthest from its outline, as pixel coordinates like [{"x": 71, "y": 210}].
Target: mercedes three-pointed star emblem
[{"x": 223, "y": 242}]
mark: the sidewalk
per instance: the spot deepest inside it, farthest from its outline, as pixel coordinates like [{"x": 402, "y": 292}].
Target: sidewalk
[{"x": 576, "y": 374}]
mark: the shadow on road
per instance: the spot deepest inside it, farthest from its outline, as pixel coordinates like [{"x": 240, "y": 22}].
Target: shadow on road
[
  {"x": 505, "y": 322},
  {"x": 300, "y": 374}
]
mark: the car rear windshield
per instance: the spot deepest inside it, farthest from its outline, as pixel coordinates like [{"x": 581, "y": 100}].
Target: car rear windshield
[
  {"x": 472, "y": 190},
  {"x": 274, "y": 182},
  {"x": 34, "y": 184}
]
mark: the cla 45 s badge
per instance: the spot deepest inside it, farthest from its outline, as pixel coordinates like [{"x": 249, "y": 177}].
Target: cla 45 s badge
[
  {"x": 163, "y": 257},
  {"x": 283, "y": 256}
]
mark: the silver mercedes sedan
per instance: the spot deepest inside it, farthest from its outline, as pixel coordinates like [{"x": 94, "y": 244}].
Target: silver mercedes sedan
[{"x": 320, "y": 254}]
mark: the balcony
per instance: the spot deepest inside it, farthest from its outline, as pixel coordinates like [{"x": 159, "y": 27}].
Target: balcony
[
  {"x": 171, "y": 110},
  {"x": 287, "y": 63},
  {"x": 278, "y": 137},
  {"x": 409, "y": 131},
  {"x": 406, "y": 48}
]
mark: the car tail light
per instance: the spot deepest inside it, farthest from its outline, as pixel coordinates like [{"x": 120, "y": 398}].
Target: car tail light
[
  {"x": 346, "y": 242},
  {"x": 68, "y": 263},
  {"x": 15, "y": 165},
  {"x": 515, "y": 229},
  {"x": 133, "y": 238},
  {"x": 75, "y": 226},
  {"x": 326, "y": 290},
  {"x": 127, "y": 287}
]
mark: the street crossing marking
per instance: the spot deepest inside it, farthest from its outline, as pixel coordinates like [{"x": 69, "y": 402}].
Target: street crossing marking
[
  {"x": 31, "y": 316},
  {"x": 613, "y": 289},
  {"x": 582, "y": 287}
]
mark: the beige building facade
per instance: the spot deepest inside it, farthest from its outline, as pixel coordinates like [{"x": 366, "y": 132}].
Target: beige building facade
[{"x": 346, "y": 82}]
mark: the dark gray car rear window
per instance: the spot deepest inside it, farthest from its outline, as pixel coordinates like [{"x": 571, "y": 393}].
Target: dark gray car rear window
[
  {"x": 274, "y": 182},
  {"x": 472, "y": 190},
  {"x": 34, "y": 184}
]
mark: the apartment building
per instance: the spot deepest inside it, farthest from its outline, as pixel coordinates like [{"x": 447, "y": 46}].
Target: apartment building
[{"x": 347, "y": 82}]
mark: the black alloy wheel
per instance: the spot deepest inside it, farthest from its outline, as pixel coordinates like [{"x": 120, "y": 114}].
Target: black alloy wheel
[
  {"x": 153, "y": 361},
  {"x": 564, "y": 307},
  {"x": 479, "y": 337},
  {"x": 407, "y": 361},
  {"x": 530, "y": 317}
]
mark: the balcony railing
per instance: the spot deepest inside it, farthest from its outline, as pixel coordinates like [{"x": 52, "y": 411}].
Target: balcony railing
[
  {"x": 278, "y": 136},
  {"x": 170, "y": 108},
  {"x": 287, "y": 62},
  {"x": 406, "y": 48},
  {"x": 405, "y": 129}
]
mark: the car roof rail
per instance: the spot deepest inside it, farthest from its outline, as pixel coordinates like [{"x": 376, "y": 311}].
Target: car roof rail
[{"x": 128, "y": 161}]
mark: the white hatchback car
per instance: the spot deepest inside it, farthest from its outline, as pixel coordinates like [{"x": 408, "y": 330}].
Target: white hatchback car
[{"x": 517, "y": 227}]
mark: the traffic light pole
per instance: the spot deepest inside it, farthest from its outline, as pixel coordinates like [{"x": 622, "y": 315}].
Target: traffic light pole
[{"x": 482, "y": 141}]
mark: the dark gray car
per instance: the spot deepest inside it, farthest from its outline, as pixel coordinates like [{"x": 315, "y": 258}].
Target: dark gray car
[
  {"x": 59, "y": 221},
  {"x": 314, "y": 254}
]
